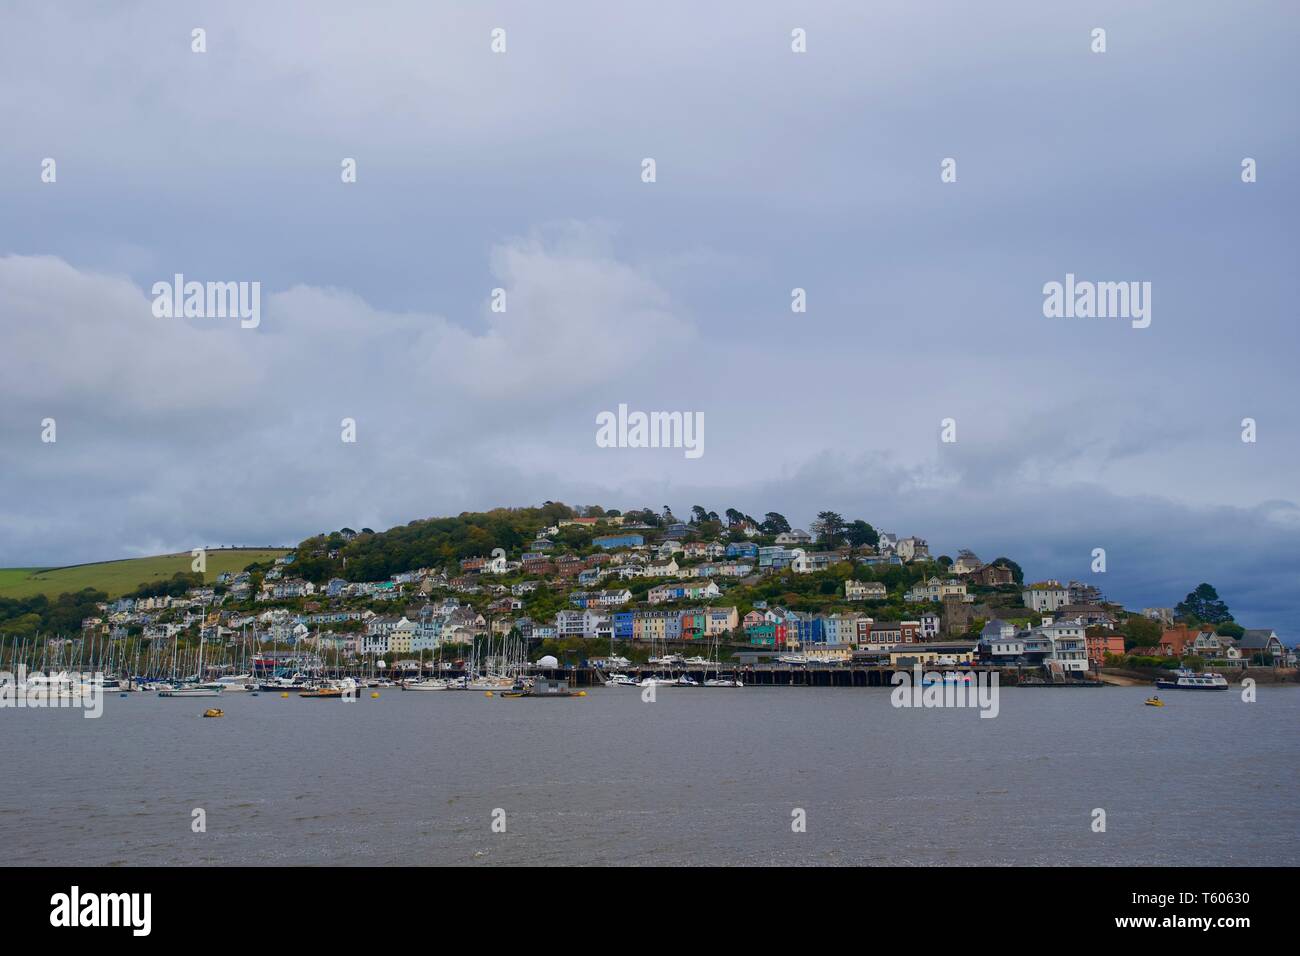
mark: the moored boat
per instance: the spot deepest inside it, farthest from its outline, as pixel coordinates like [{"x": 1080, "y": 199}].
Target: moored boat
[{"x": 1186, "y": 679}]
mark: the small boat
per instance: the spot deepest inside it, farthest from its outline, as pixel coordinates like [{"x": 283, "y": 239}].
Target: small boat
[
  {"x": 1154, "y": 702},
  {"x": 686, "y": 681},
  {"x": 214, "y": 712},
  {"x": 1186, "y": 679},
  {"x": 723, "y": 682},
  {"x": 619, "y": 680}
]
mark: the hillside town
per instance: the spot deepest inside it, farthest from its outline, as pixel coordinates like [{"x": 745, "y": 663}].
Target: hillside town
[{"x": 587, "y": 585}]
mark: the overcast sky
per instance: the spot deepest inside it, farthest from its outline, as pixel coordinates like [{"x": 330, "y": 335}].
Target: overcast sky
[{"x": 775, "y": 170}]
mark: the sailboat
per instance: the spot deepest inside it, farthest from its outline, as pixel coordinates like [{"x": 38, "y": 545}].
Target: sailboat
[
  {"x": 193, "y": 688},
  {"x": 719, "y": 681}
]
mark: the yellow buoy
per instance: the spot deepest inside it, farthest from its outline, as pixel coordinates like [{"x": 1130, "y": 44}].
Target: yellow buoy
[
  {"x": 214, "y": 712},
  {"x": 374, "y": 695},
  {"x": 285, "y": 694},
  {"x": 582, "y": 693},
  {"x": 487, "y": 693}
]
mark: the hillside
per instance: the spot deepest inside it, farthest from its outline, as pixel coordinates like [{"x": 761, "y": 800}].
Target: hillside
[{"x": 116, "y": 578}]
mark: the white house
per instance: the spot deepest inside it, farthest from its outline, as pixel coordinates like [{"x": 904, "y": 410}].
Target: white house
[{"x": 1046, "y": 596}]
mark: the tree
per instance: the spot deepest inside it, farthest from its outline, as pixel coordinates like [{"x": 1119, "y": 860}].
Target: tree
[
  {"x": 860, "y": 533},
  {"x": 1203, "y": 604},
  {"x": 1230, "y": 629},
  {"x": 829, "y": 526},
  {"x": 734, "y": 517},
  {"x": 698, "y": 514},
  {"x": 1140, "y": 632},
  {"x": 774, "y": 523}
]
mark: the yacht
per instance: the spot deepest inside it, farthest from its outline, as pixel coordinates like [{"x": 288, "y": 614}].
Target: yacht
[
  {"x": 192, "y": 690},
  {"x": 657, "y": 682},
  {"x": 723, "y": 682},
  {"x": 426, "y": 684},
  {"x": 619, "y": 680}
]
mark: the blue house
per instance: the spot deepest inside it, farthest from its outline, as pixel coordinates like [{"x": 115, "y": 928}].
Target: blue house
[{"x": 742, "y": 549}]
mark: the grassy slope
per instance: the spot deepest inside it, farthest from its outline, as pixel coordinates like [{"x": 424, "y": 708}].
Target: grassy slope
[{"x": 119, "y": 577}]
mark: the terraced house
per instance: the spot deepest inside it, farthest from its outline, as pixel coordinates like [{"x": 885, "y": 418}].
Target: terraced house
[{"x": 682, "y": 592}]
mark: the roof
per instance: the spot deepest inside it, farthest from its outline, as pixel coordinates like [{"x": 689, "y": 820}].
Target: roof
[{"x": 1257, "y": 637}]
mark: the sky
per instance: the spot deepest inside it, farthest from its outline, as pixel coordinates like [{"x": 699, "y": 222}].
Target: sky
[{"x": 774, "y": 170}]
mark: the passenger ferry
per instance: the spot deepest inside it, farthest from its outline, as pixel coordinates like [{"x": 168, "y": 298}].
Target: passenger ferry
[{"x": 1186, "y": 679}]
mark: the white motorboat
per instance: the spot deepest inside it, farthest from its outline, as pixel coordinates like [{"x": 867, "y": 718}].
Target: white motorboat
[
  {"x": 723, "y": 682},
  {"x": 619, "y": 680},
  {"x": 657, "y": 682},
  {"x": 194, "y": 690},
  {"x": 429, "y": 684},
  {"x": 686, "y": 681}
]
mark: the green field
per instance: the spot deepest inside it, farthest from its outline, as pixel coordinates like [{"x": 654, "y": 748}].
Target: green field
[{"x": 119, "y": 577}]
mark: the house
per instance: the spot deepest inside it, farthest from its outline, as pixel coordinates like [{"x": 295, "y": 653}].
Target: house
[
  {"x": 865, "y": 591},
  {"x": 1045, "y": 596},
  {"x": 401, "y": 636},
  {"x": 912, "y": 549},
  {"x": 796, "y": 537},
  {"x": 1177, "y": 641},
  {"x": 930, "y": 627},
  {"x": 1262, "y": 642},
  {"x": 1000, "y": 642},
  {"x": 966, "y": 562},
  {"x": 743, "y": 549},
  {"x": 1100, "y": 645},
  {"x": 992, "y": 575},
  {"x": 665, "y": 570},
  {"x": 808, "y": 562},
  {"x": 774, "y": 557},
  {"x": 886, "y": 632},
  {"x": 1067, "y": 648},
  {"x": 936, "y": 590}
]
